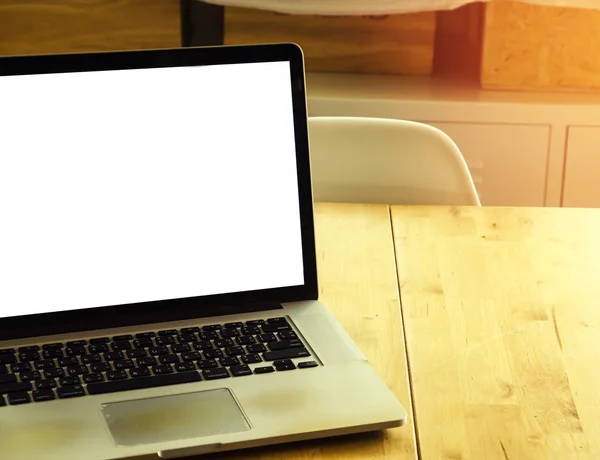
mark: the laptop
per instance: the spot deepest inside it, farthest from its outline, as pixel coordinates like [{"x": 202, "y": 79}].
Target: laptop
[{"x": 159, "y": 293}]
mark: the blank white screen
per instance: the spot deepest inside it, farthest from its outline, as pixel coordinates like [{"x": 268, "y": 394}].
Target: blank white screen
[{"x": 139, "y": 185}]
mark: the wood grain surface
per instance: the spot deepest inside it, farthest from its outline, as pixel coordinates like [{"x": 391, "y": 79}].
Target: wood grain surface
[
  {"x": 503, "y": 330},
  {"x": 395, "y": 44},
  {"x": 64, "y": 26}
]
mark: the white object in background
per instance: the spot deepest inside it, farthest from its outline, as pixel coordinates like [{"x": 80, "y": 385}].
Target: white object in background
[
  {"x": 377, "y": 160},
  {"x": 376, "y": 7}
]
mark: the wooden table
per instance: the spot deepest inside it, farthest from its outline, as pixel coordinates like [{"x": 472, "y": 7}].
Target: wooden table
[
  {"x": 501, "y": 311},
  {"x": 502, "y": 317}
]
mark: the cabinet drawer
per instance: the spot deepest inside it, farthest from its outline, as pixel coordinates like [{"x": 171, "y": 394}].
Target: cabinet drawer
[
  {"x": 508, "y": 162},
  {"x": 582, "y": 168}
]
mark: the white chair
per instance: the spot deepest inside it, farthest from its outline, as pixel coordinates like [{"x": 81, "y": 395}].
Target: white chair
[{"x": 376, "y": 160}]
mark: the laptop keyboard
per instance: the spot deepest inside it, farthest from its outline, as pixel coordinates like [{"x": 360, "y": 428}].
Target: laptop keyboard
[{"x": 102, "y": 365}]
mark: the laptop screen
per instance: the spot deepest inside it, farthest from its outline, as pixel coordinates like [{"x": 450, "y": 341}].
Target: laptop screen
[{"x": 127, "y": 186}]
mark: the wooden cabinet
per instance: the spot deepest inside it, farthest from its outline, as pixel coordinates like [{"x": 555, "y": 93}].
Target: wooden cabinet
[
  {"x": 65, "y": 26},
  {"x": 582, "y": 167},
  {"x": 508, "y": 163}
]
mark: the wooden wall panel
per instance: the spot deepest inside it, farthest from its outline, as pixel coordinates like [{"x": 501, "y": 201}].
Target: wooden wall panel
[
  {"x": 395, "y": 44},
  {"x": 60, "y": 26},
  {"x": 540, "y": 47}
]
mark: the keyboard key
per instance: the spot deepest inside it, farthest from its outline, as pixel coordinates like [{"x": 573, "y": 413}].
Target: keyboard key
[
  {"x": 167, "y": 332},
  {"x": 159, "y": 350},
  {"x": 185, "y": 367},
  {"x": 30, "y": 375},
  {"x": 52, "y": 353},
  {"x": 238, "y": 371},
  {"x": 121, "y": 338},
  {"x": 116, "y": 375},
  {"x": 284, "y": 365},
  {"x": 53, "y": 373},
  {"x": 145, "y": 335},
  {"x": 44, "y": 364},
  {"x": 15, "y": 387},
  {"x": 168, "y": 359},
  {"x": 285, "y": 344},
  {"x": 264, "y": 338},
  {"x": 206, "y": 364},
  {"x": 252, "y": 358},
  {"x": 203, "y": 345},
  {"x": 222, "y": 343},
  {"x": 100, "y": 367},
  {"x": 122, "y": 345},
  {"x": 136, "y": 353},
  {"x": 180, "y": 348},
  {"x": 8, "y": 378},
  {"x": 113, "y": 356},
  {"x": 214, "y": 353},
  {"x": 234, "y": 324},
  {"x": 146, "y": 361},
  {"x": 93, "y": 378},
  {"x": 20, "y": 367},
  {"x": 229, "y": 361},
  {"x": 68, "y": 361},
  {"x": 75, "y": 351},
  {"x": 235, "y": 351},
  {"x": 123, "y": 364},
  {"x": 29, "y": 356},
  {"x": 53, "y": 346},
  {"x": 3, "y": 369},
  {"x": 217, "y": 373},
  {"x": 144, "y": 382},
  {"x": 186, "y": 338},
  {"x": 191, "y": 356},
  {"x": 2, "y": 401},
  {"x": 245, "y": 340},
  {"x": 30, "y": 348},
  {"x": 69, "y": 381},
  {"x": 99, "y": 341},
  {"x": 225, "y": 333},
  {"x": 208, "y": 335},
  {"x": 43, "y": 395},
  {"x": 287, "y": 335},
  {"x": 286, "y": 354},
  {"x": 264, "y": 370},
  {"x": 45, "y": 384},
  {"x": 143, "y": 343},
  {"x": 90, "y": 359},
  {"x": 280, "y": 320},
  {"x": 78, "y": 369},
  {"x": 76, "y": 343},
  {"x": 161, "y": 369},
  {"x": 212, "y": 327},
  {"x": 256, "y": 348},
  {"x": 307, "y": 364},
  {"x": 7, "y": 351},
  {"x": 139, "y": 372},
  {"x": 167, "y": 340},
  {"x": 276, "y": 327},
  {"x": 190, "y": 330},
  {"x": 98, "y": 348},
  {"x": 250, "y": 330},
  {"x": 255, "y": 322},
  {"x": 18, "y": 398},
  {"x": 8, "y": 359},
  {"x": 70, "y": 392}
]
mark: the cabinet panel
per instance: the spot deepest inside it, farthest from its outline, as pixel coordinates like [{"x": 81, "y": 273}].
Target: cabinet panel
[
  {"x": 582, "y": 168},
  {"x": 508, "y": 162}
]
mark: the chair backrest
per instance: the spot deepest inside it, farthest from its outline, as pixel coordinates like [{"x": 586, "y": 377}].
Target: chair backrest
[{"x": 376, "y": 160}]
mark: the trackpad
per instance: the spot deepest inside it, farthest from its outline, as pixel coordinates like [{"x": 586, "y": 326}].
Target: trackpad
[{"x": 174, "y": 417}]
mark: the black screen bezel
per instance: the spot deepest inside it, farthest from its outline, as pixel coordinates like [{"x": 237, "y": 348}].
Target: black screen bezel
[{"x": 203, "y": 306}]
